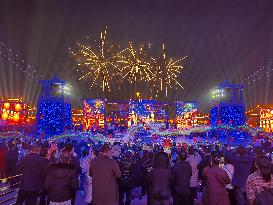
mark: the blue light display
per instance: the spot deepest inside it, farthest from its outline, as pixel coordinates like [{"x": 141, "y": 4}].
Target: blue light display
[
  {"x": 50, "y": 118},
  {"x": 183, "y": 108},
  {"x": 227, "y": 115},
  {"x": 214, "y": 116},
  {"x": 68, "y": 115},
  {"x": 142, "y": 108}
]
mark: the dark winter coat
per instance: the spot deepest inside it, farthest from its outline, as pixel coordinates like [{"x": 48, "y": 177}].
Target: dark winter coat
[
  {"x": 160, "y": 178},
  {"x": 31, "y": 167},
  {"x": 182, "y": 173},
  {"x": 61, "y": 181},
  {"x": 216, "y": 180},
  {"x": 104, "y": 172},
  {"x": 126, "y": 168},
  {"x": 242, "y": 167},
  {"x": 11, "y": 161}
]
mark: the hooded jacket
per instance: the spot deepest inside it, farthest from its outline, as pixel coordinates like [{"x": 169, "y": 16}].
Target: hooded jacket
[{"x": 60, "y": 182}]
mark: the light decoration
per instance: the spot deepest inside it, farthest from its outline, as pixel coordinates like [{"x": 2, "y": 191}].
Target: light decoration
[
  {"x": 17, "y": 107},
  {"x": 5, "y": 116},
  {"x": 217, "y": 93},
  {"x": 266, "y": 118},
  {"x": 186, "y": 114},
  {"x": 227, "y": 115},
  {"x": 141, "y": 111},
  {"x": 16, "y": 117},
  {"x": 51, "y": 119},
  {"x": 6, "y": 105},
  {"x": 98, "y": 65},
  {"x": 12, "y": 57},
  {"x": 93, "y": 113},
  {"x": 262, "y": 72}
]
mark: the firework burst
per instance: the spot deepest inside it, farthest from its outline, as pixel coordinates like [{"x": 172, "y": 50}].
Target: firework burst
[
  {"x": 136, "y": 65},
  {"x": 168, "y": 73},
  {"x": 97, "y": 65}
]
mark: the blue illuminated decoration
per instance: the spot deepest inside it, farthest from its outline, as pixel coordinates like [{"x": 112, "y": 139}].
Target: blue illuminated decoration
[
  {"x": 142, "y": 108},
  {"x": 54, "y": 109},
  {"x": 229, "y": 109},
  {"x": 214, "y": 116},
  {"x": 68, "y": 115},
  {"x": 51, "y": 120},
  {"x": 183, "y": 108}
]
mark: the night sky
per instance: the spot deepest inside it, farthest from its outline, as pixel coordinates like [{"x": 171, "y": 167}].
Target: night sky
[{"x": 224, "y": 40}]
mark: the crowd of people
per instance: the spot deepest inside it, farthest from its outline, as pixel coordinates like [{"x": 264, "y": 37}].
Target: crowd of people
[{"x": 52, "y": 172}]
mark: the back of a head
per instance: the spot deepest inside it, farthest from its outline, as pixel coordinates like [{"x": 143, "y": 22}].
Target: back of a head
[
  {"x": 161, "y": 160},
  {"x": 105, "y": 148},
  {"x": 215, "y": 159},
  {"x": 182, "y": 155},
  {"x": 265, "y": 167},
  {"x": 128, "y": 155},
  {"x": 240, "y": 150},
  {"x": 191, "y": 150},
  {"x": 65, "y": 156},
  {"x": 34, "y": 149},
  {"x": 68, "y": 147}
]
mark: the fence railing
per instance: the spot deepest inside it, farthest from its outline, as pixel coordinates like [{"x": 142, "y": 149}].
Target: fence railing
[{"x": 8, "y": 189}]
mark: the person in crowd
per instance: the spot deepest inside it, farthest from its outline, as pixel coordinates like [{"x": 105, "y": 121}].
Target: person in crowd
[
  {"x": 75, "y": 163},
  {"x": 138, "y": 171},
  {"x": 86, "y": 180},
  {"x": 126, "y": 181},
  {"x": 242, "y": 161},
  {"x": 61, "y": 181},
  {"x": 31, "y": 167},
  {"x": 182, "y": 173},
  {"x": 216, "y": 180},
  {"x": 43, "y": 154},
  {"x": 259, "y": 185},
  {"x": 11, "y": 161},
  {"x": 205, "y": 161},
  {"x": 160, "y": 180},
  {"x": 3, "y": 153},
  {"x": 104, "y": 172},
  {"x": 229, "y": 168},
  {"x": 194, "y": 159},
  {"x": 147, "y": 166}
]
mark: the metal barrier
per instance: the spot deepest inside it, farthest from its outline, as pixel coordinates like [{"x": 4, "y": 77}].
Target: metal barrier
[{"x": 7, "y": 190}]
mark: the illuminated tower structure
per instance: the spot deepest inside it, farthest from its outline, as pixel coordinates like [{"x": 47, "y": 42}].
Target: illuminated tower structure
[
  {"x": 227, "y": 105},
  {"x": 54, "y": 108}
]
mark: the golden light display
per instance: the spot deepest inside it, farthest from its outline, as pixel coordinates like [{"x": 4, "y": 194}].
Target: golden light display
[
  {"x": 168, "y": 72},
  {"x": 98, "y": 65},
  {"x": 5, "y": 116},
  {"x": 6, "y": 105},
  {"x": 109, "y": 67},
  {"x": 16, "y": 117},
  {"x": 136, "y": 65},
  {"x": 17, "y": 107}
]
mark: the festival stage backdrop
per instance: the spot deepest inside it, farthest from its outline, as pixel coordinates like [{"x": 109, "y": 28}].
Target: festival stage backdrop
[
  {"x": 186, "y": 114},
  {"x": 93, "y": 113},
  {"x": 141, "y": 110}
]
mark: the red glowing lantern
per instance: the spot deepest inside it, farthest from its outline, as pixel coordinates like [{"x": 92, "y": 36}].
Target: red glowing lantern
[
  {"x": 17, "y": 107},
  {"x": 5, "y": 116},
  {"x": 6, "y": 105},
  {"x": 16, "y": 117}
]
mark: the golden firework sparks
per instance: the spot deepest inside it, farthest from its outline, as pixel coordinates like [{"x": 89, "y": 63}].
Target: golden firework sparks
[
  {"x": 97, "y": 64},
  {"x": 168, "y": 73},
  {"x": 136, "y": 64}
]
